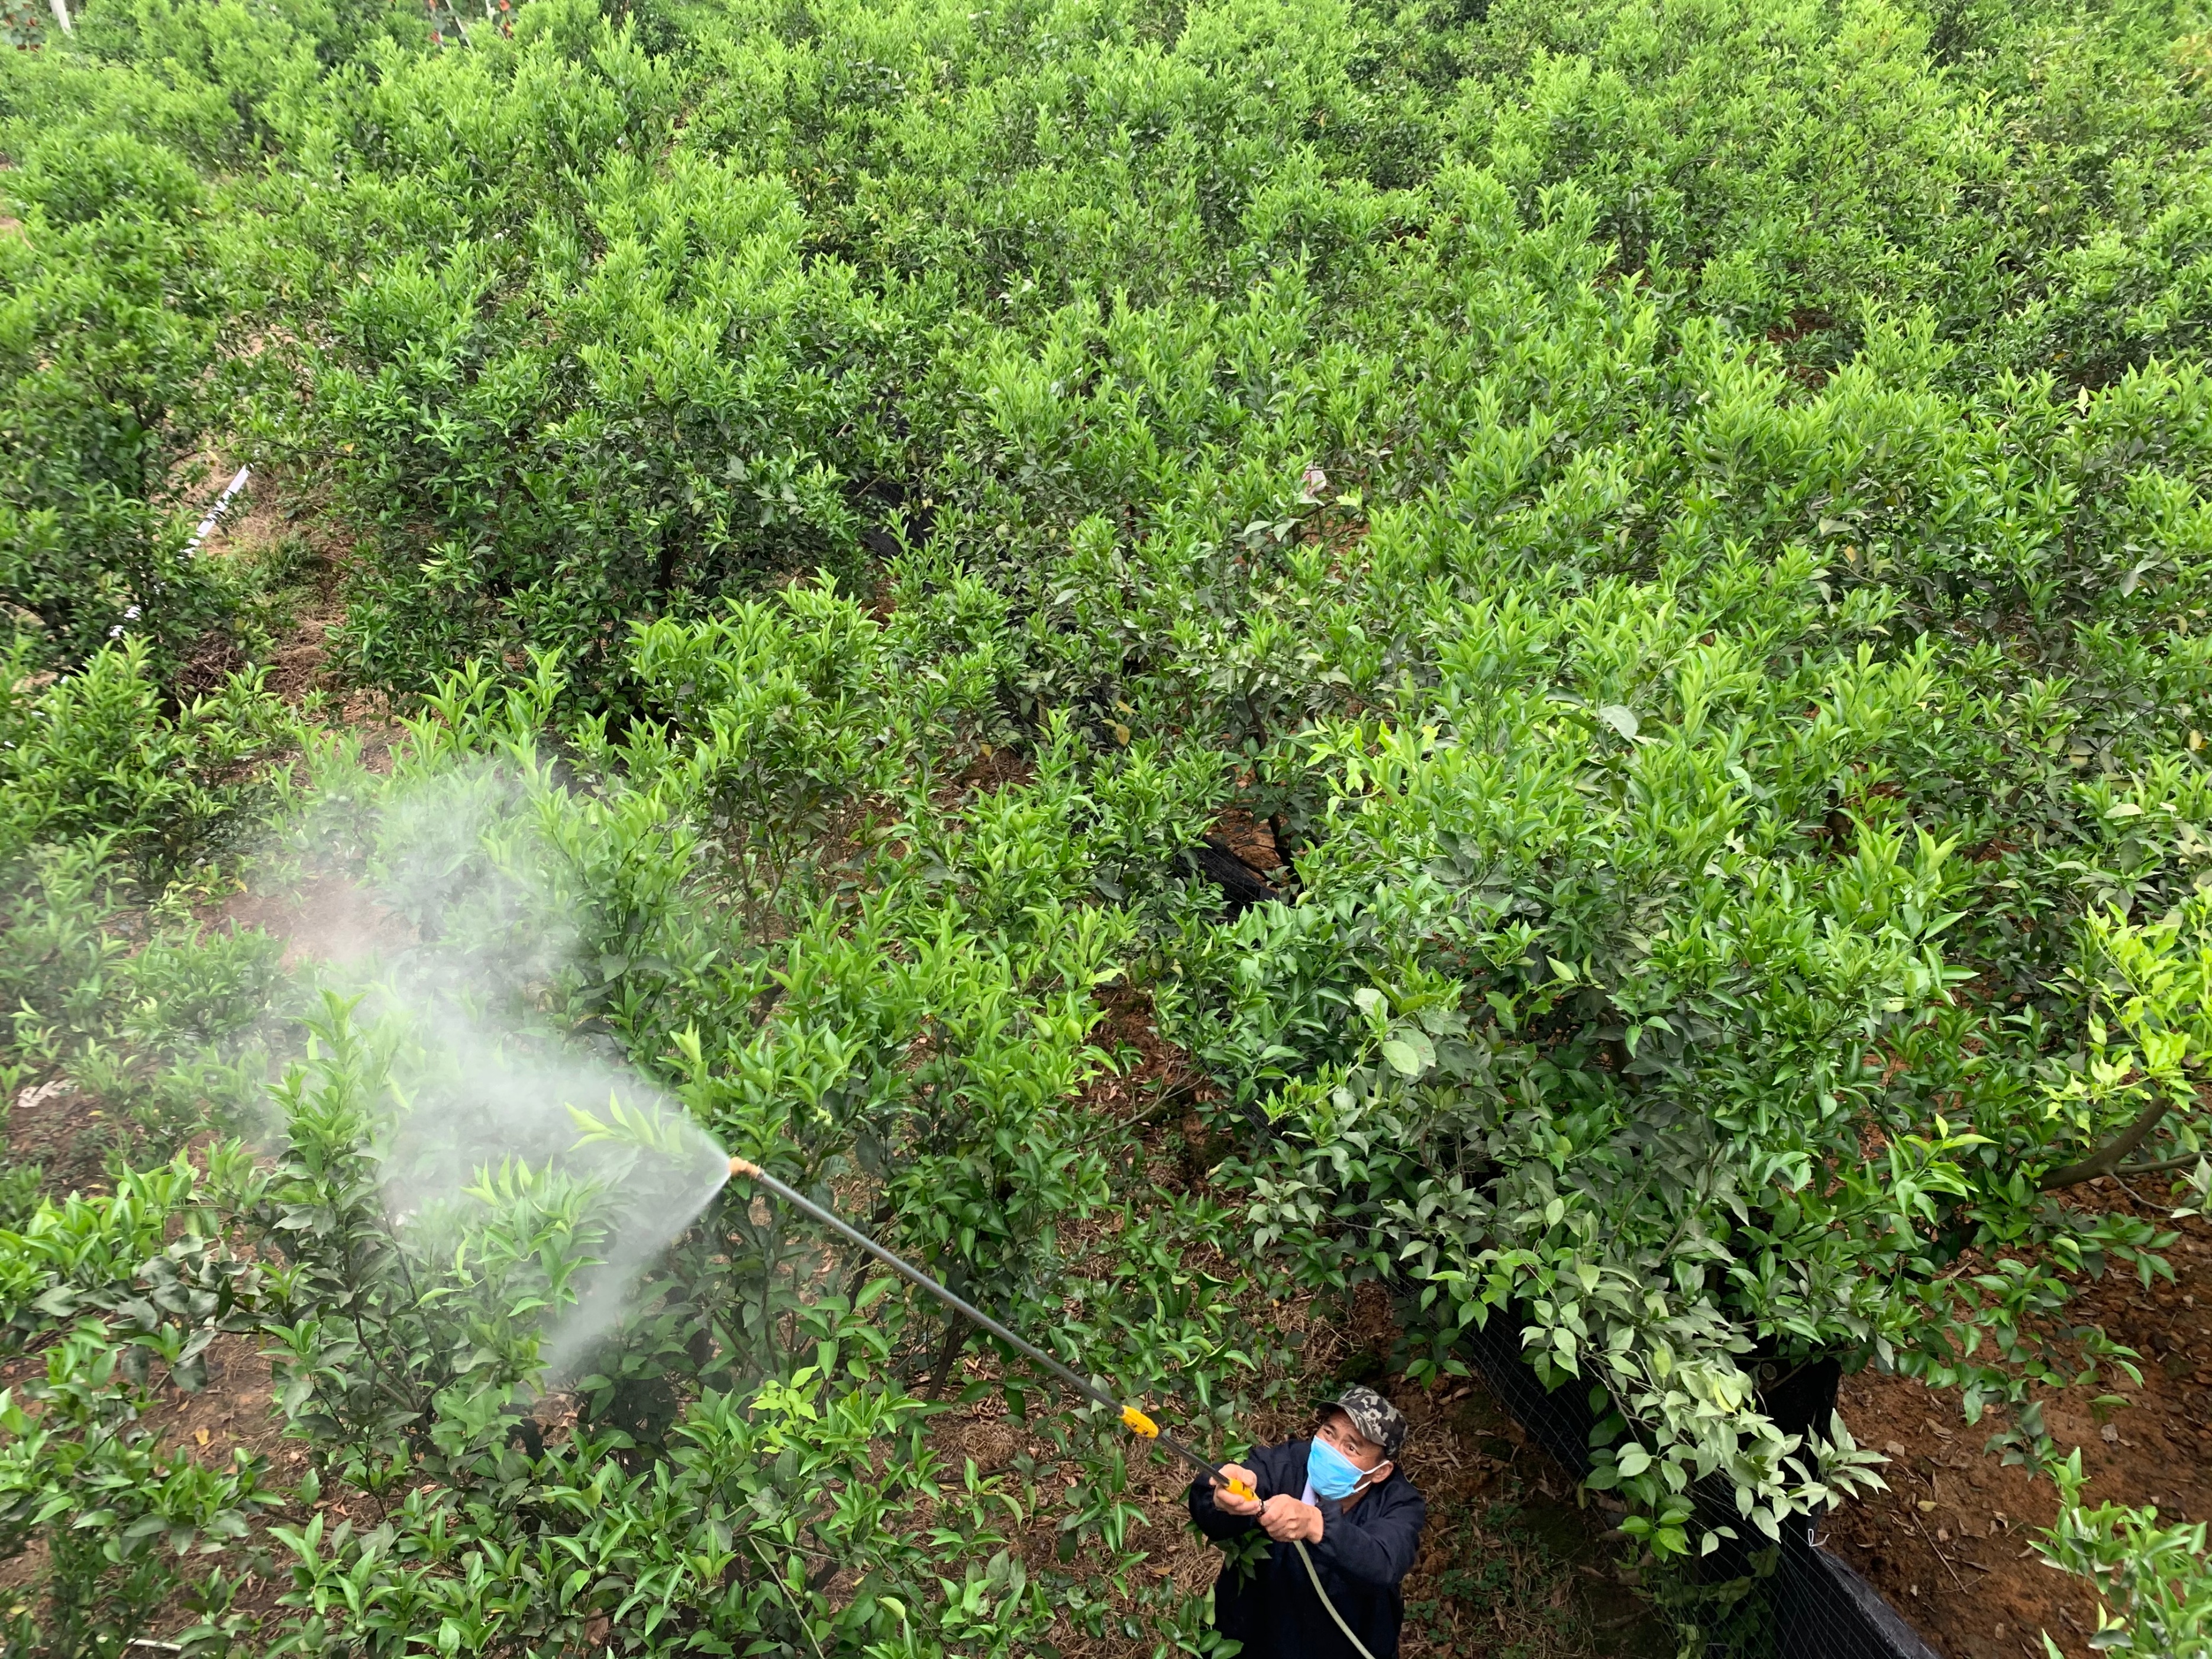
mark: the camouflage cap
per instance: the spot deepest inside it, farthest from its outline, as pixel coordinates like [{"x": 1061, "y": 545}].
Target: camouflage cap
[{"x": 1376, "y": 1418}]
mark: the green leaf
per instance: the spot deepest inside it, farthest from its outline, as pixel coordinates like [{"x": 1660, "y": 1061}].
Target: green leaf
[{"x": 1403, "y": 1057}]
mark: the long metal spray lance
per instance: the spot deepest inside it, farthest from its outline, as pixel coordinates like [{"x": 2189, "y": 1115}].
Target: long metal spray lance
[{"x": 1134, "y": 1420}]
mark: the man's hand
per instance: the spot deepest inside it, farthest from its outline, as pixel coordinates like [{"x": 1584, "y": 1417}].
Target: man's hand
[
  {"x": 1285, "y": 1519},
  {"x": 1227, "y": 1502}
]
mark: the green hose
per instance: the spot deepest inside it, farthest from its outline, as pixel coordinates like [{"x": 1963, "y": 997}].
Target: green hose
[{"x": 1359, "y": 1646}]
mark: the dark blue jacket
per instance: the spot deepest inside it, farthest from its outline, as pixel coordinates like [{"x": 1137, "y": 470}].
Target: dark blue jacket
[{"x": 1362, "y": 1558}]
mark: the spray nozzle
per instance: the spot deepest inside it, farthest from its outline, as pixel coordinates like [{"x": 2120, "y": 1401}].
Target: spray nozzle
[{"x": 739, "y": 1167}]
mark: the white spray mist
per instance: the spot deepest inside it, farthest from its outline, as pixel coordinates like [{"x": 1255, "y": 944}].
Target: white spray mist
[{"x": 467, "y": 927}]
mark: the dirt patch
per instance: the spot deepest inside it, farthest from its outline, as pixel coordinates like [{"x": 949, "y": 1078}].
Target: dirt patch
[
  {"x": 64, "y": 1131},
  {"x": 281, "y": 545},
  {"x": 1150, "y": 1079},
  {"x": 234, "y": 1412},
  {"x": 1948, "y": 1544},
  {"x": 250, "y": 519},
  {"x": 1511, "y": 1563},
  {"x": 22, "y": 1577},
  {"x": 237, "y": 532},
  {"x": 296, "y": 665},
  {"x": 325, "y": 919},
  {"x": 993, "y": 769}
]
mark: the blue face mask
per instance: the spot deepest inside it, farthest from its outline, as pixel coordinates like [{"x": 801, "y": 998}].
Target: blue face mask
[{"x": 1332, "y": 1473}]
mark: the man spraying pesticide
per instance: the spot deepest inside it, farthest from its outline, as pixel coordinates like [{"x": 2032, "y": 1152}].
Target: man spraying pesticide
[
  {"x": 1344, "y": 1527},
  {"x": 1343, "y": 1523}
]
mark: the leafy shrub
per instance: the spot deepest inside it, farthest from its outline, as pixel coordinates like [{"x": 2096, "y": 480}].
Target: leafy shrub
[
  {"x": 2156, "y": 1574},
  {"x": 96, "y": 756},
  {"x": 112, "y": 799},
  {"x": 129, "y": 1511},
  {"x": 110, "y": 329},
  {"x": 109, "y": 1293}
]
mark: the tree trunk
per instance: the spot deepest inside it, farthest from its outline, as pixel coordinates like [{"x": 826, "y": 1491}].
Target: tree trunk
[
  {"x": 956, "y": 1338},
  {"x": 2108, "y": 1158}
]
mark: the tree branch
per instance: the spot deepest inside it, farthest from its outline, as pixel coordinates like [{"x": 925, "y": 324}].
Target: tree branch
[
  {"x": 2162, "y": 1166},
  {"x": 2106, "y": 1159}
]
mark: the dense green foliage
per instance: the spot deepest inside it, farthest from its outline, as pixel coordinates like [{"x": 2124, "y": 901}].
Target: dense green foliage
[
  {"x": 2154, "y": 1593},
  {"x": 1692, "y": 522}
]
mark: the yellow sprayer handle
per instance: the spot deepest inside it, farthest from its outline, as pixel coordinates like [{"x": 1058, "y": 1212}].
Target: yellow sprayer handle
[{"x": 1138, "y": 1423}]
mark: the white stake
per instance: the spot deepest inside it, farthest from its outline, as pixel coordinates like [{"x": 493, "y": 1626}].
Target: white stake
[{"x": 214, "y": 513}]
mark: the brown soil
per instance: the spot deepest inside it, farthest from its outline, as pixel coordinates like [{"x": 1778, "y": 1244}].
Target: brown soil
[
  {"x": 324, "y": 918},
  {"x": 992, "y": 769},
  {"x": 20, "y": 1574},
  {"x": 259, "y": 518},
  {"x": 1948, "y": 1544},
  {"x": 65, "y": 1132},
  {"x": 252, "y": 520},
  {"x": 250, "y": 523},
  {"x": 234, "y": 1413},
  {"x": 295, "y": 666},
  {"x": 1150, "y": 1078},
  {"x": 237, "y": 1412}
]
